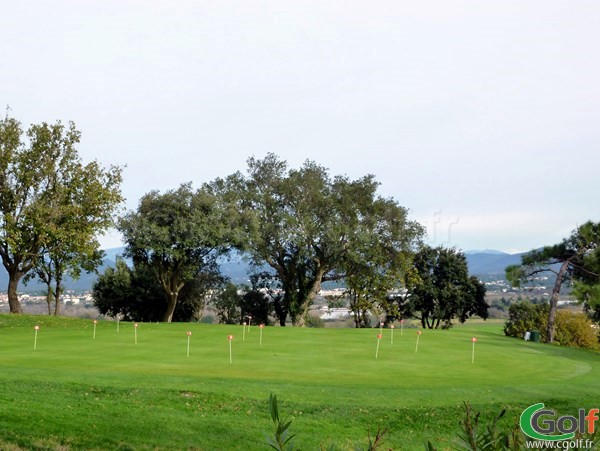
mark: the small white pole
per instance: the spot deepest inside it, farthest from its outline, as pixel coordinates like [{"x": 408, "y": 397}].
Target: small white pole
[
  {"x": 261, "y": 329},
  {"x": 244, "y": 332},
  {"x": 230, "y": 338},
  {"x": 135, "y": 327},
  {"x": 392, "y": 334},
  {"x": 418, "y": 335},
  {"x": 95, "y": 322},
  {"x": 377, "y": 350},
  {"x": 474, "y": 340},
  {"x": 36, "y": 328},
  {"x": 401, "y": 327},
  {"x": 118, "y": 318},
  {"x": 189, "y": 334}
]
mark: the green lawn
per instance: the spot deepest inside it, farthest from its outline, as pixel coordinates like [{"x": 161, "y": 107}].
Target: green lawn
[{"x": 76, "y": 392}]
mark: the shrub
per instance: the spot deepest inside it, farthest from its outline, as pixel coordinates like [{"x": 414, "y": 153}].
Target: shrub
[
  {"x": 314, "y": 321},
  {"x": 524, "y": 316},
  {"x": 575, "y": 329}
]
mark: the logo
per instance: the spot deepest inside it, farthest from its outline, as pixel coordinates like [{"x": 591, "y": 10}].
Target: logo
[{"x": 542, "y": 424}]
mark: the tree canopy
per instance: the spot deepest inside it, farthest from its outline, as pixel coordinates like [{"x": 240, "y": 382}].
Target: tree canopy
[
  {"x": 178, "y": 235},
  {"x": 51, "y": 205},
  {"x": 573, "y": 259},
  {"x": 443, "y": 289},
  {"x": 310, "y": 227}
]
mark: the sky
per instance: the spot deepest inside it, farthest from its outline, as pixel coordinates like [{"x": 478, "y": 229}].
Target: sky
[{"x": 480, "y": 117}]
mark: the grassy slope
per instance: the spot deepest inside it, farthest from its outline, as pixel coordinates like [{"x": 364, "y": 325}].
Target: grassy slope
[{"x": 109, "y": 393}]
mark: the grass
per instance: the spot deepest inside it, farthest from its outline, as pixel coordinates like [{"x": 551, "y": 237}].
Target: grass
[{"x": 74, "y": 392}]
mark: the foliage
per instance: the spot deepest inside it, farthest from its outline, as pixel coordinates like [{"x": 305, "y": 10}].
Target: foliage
[
  {"x": 524, "y": 317},
  {"x": 178, "y": 235},
  {"x": 135, "y": 295},
  {"x": 314, "y": 321},
  {"x": 572, "y": 329},
  {"x": 574, "y": 259},
  {"x": 575, "y": 329},
  {"x": 51, "y": 205},
  {"x": 281, "y": 440},
  {"x": 310, "y": 227},
  {"x": 227, "y": 303},
  {"x": 443, "y": 290},
  {"x": 589, "y": 295},
  {"x": 256, "y": 304},
  {"x": 474, "y": 436}
]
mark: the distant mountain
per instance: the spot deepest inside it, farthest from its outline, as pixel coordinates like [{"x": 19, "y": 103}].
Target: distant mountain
[
  {"x": 482, "y": 263},
  {"x": 486, "y": 251}
]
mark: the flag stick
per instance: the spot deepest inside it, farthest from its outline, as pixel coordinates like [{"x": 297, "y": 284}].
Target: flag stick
[
  {"x": 189, "y": 334},
  {"x": 417, "y": 346},
  {"x": 392, "y": 334},
  {"x": 35, "y": 337},
  {"x": 95, "y": 322},
  {"x": 377, "y": 350},
  {"x": 230, "y": 338},
  {"x": 261, "y": 330}
]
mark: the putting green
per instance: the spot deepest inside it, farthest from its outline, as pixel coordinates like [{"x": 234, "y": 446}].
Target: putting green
[{"x": 328, "y": 379}]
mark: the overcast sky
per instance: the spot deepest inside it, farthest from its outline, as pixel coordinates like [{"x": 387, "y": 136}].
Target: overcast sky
[{"x": 481, "y": 117}]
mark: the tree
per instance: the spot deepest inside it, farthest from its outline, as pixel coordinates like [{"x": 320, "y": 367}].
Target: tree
[
  {"x": 49, "y": 201},
  {"x": 136, "y": 295},
  {"x": 84, "y": 201},
  {"x": 227, "y": 303},
  {"x": 304, "y": 224},
  {"x": 178, "y": 235},
  {"x": 444, "y": 290},
  {"x": 568, "y": 260}
]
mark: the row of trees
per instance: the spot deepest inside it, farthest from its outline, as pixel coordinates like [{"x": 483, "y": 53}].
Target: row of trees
[
  {"x": 299, "y": 228},
  {"x": 52, "y": 206},
  {"x": 306, "y": 226}
]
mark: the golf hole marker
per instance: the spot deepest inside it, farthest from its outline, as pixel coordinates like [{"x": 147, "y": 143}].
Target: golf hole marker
[
  {"x": 189, "y": 334},
  {"x": 377, "y": 350},
  {"x": 401, "y": 327},
  {"x": 392, "y": 334},
  {"x": 417, "y": 346},
  {"x": 95, "y": 322},
  {"x": 473, "y": 340},
  {"x": 230, "y": 339},
  {"x": 36, "y": 328},
  {"x": 261, "y": 329},
  {"x": 244, "y": 332},
  {"x": 135, "y": 328}
]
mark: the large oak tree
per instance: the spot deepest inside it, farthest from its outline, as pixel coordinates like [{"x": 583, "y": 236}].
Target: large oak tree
[
  {"x": 310, "y": 227},
  {"x": 443, "y": 290},
  {"x": 178, "y": 235}
]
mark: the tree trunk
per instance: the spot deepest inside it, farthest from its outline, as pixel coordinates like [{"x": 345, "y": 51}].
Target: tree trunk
[
  {"x": 307, "y": 302},
  {"x": 168, "y": 316},
  {"x": 13, "y": 299},
  {"x": 57, "y": 293},
  {"x": 554, "y": 300},
  {"x": 49, "y": 299}
]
